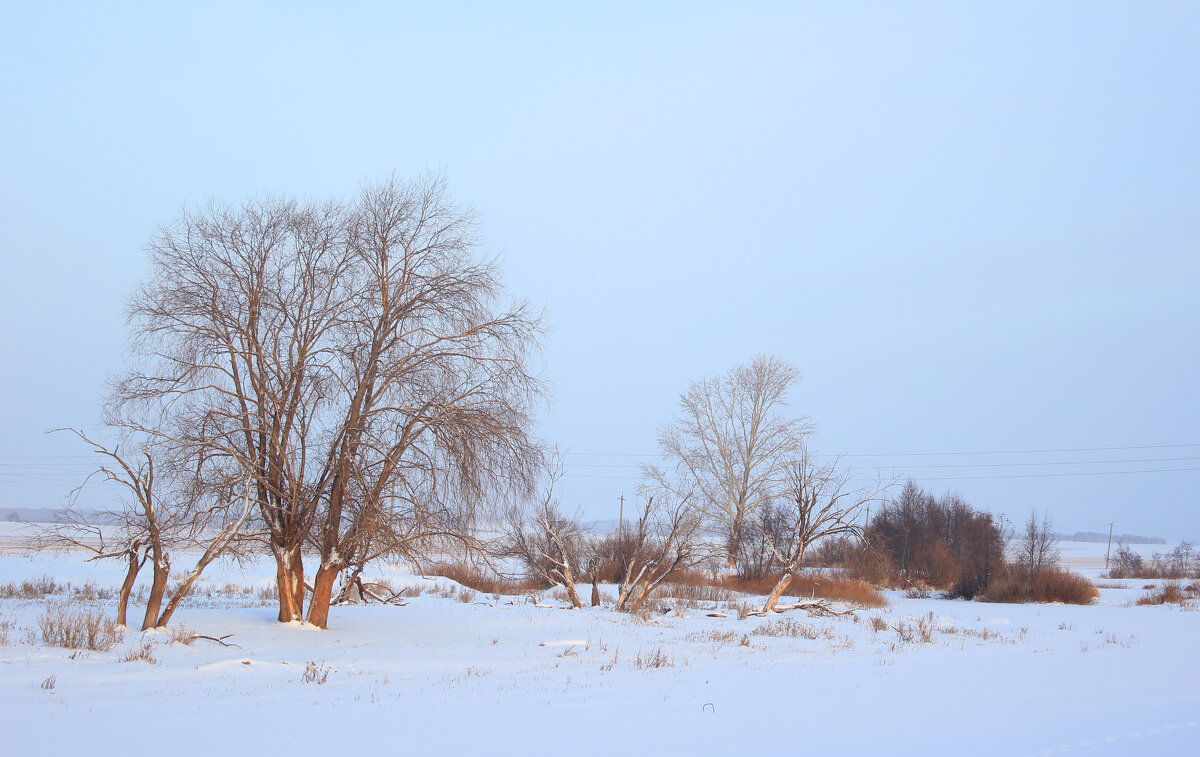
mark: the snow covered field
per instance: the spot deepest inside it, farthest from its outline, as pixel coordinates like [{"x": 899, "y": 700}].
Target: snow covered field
[{"x": 502, "y": 676}]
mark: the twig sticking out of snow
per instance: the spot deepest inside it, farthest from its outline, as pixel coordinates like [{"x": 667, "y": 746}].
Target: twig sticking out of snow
[{"x": 220, "y": 640}]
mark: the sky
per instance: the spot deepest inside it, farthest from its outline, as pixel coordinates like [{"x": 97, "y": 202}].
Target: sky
[{"x": 971, "y": 226}]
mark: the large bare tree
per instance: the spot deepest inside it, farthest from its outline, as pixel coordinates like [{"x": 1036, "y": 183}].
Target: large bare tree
[
  {"x": 357, "y": 362},
  {"x": 730, "y": 445}
]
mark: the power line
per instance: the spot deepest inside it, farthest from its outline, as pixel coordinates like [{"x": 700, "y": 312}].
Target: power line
[
  {"x": 958, "y": 465},
  {"x": 966, "y": 478},
  {"x": 932, "y": 454}
]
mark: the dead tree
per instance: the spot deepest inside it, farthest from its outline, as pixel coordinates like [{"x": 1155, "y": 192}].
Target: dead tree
[
  {"x": 817, "y": 503},
  {"x": 663, "y": 540},
  {"x": 731, "y": 444}
]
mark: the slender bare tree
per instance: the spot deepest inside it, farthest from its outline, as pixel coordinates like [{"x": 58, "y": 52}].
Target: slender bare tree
[
  {"x": 1037, "y": 550},
  {"x": 732, "y": 444},
  {"x": 816, "y": 503}
]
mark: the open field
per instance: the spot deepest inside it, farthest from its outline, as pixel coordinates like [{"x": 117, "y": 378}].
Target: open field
[{"x": 503, "y": 676}]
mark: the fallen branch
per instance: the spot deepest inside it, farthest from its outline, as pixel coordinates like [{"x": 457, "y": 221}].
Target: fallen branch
[
  {"x": 220, "y": 640},
  {"x": 817, "y": 607}
]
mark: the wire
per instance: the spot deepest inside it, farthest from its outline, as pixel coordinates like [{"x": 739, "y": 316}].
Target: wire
[{"x": 933, "y": 454}]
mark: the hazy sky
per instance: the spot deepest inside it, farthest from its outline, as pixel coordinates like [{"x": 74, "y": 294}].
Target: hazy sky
[{"x": 972, "y": 227}]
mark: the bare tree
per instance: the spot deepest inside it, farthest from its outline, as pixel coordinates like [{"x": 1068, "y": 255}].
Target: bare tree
[
  {"x": 663, "y": 540},
  {"x": 1037, "y": 549},
  {"x": 435, "y": 374},
  {"x": 818, "y": 503},
  {"x": 550, "y": 545},
  {"x": 354, "y": 361},
  {"x": 731, "y": 444},
  {"x": 160, "y": 512}
]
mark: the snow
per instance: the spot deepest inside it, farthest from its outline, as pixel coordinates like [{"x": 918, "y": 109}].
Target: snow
[{"x": 502, "y": 676}]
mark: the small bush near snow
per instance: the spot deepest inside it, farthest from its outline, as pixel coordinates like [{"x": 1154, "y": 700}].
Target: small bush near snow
[{"x": 63, "y": 626}]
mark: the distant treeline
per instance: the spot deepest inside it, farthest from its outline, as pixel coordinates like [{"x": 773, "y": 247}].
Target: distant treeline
[{"x": 1095, "y": 536}]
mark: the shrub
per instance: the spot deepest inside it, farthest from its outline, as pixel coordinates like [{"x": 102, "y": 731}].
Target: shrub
[
  {"x": 1127, "y": 564},
  {"x": 63, "y": 626},
  {"x": 1048, "y": 585}
]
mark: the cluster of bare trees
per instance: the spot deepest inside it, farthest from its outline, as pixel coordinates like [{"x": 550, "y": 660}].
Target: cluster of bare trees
[
  {"x": 738, "y": 482},
  {"x": 746, "y": 468},
  {"x": 349, "y": 372},
  {"x": 555, "y": 548}
]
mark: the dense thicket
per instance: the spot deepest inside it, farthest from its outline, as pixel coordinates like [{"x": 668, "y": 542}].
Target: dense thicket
[{"x": 939, "y": 541}]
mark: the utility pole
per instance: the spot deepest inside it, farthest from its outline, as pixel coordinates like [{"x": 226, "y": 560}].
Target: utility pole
[{"x": 1109, "y": 552}]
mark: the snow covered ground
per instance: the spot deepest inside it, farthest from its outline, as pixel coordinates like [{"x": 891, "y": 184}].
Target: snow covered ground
[{"x": 502, "y": 676}]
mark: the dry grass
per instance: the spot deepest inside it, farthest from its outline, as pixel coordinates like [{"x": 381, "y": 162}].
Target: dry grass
[
  {"x": 1170, "y": 593},
  {"x": 849, "y": 590},
  {"x": 144, "y": 652},
  {"x": 701, "y": 587},
  {"x": 695, "y": 587},
  {"x": 31, "y": 588},
  {"x": 182, "y": 635},
  {"x": 484, "y": 582},
  {"x": 789, "y": 628},
  {"x": 315, "y": 671},
  {"x": 63, "y": 626},
  {"x": 655, "y": 659}
]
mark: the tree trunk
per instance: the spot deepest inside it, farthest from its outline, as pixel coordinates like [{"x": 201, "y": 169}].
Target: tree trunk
[
  {"x": 576, "y": 602},
  {"x": 131, "y": 574},
  {"x": 322, "y": 595},
  {"x": 158, "y": 586},
  {"x": 734, "y": 545},
  {"x": 595, "y": 591},
  {"x": 176, "y": 598},
  {"x": 780, "y": 587},
  {"x": 289, "y": 579}
]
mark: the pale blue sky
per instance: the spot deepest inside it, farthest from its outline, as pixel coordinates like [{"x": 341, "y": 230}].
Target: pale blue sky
[{"x": 973, "y": 227}]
